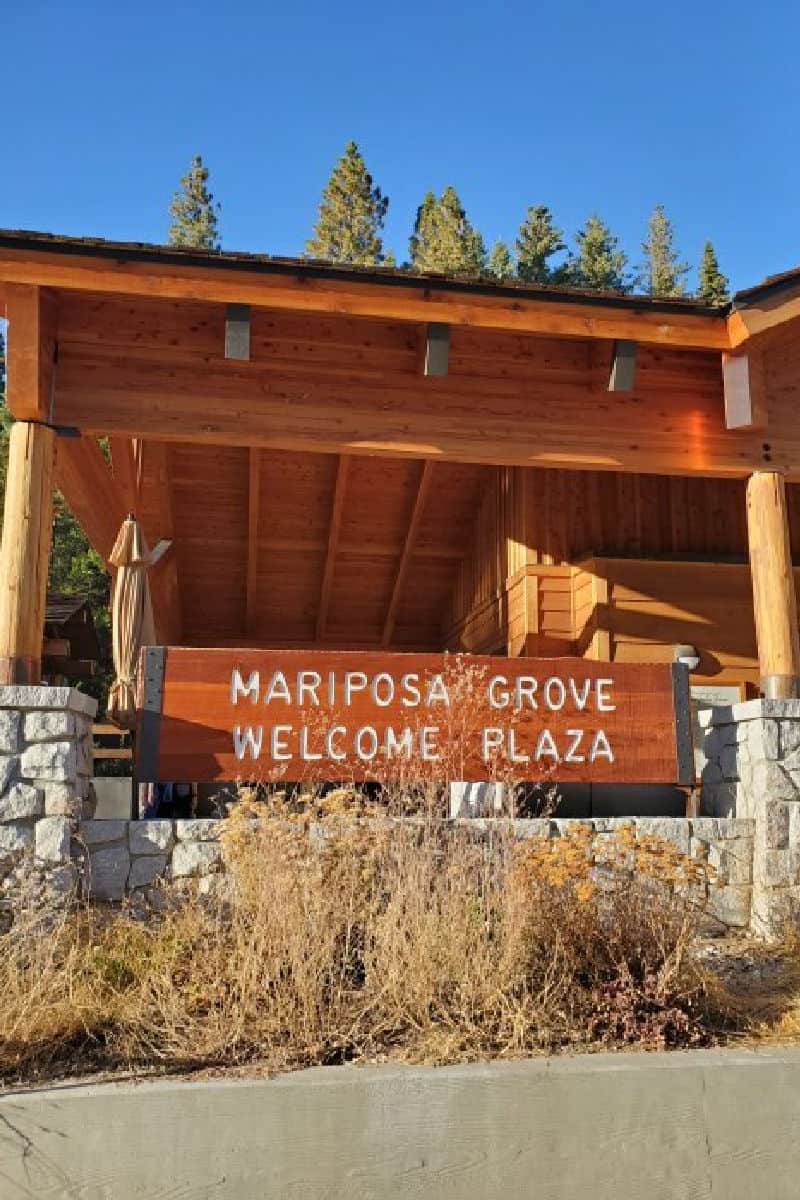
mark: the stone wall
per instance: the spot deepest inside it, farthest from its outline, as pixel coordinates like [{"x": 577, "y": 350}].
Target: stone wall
[
  {"x": 123, "y": 857},
  {"x": 753, "y": 770},
  {"x": 119, "y": 857},
  {"x": 45, "y": 772}
]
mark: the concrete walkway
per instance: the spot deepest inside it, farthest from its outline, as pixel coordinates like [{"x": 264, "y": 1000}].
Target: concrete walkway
[{"x": 718, "y": 1124}]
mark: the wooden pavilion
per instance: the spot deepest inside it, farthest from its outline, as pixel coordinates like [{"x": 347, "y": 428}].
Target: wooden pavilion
[{"x": 372, "y": 458}]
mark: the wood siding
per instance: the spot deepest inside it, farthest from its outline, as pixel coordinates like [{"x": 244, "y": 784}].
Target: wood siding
[{"x": 611, "y": 566}]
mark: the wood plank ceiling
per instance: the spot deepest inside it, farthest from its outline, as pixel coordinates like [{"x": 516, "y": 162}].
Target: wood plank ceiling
[{"x": 275, "y": 547}]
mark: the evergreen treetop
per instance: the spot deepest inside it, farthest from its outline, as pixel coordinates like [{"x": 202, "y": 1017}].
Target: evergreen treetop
[
  {"x": 193, "y": 211},
  {"x": 500, "y": 262},
  {"x": 712, "y": 285},
  {"x": 598, "y": 262},
  {"x": 663, "y": 273},
  {"x": 538, "y": 240},
  {"x": 443, "y": 239},
  {"x": 351, "y": 215}
]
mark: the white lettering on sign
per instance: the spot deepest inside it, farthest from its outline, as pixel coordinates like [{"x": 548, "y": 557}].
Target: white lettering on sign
[{"x": 372, "y": 739}]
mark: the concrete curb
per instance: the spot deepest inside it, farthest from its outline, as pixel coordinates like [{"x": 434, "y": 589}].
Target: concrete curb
[{"x": 700, "y": 1124}]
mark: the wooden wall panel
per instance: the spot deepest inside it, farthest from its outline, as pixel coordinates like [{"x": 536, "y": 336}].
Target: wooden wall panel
[{"x": 546, "y": 521}]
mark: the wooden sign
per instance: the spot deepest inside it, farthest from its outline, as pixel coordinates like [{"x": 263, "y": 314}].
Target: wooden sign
[{"x": 226, "y": 715}]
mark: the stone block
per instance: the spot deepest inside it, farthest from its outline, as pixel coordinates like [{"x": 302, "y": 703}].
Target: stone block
[
  {"x": 95, "y": 833},
  {"x": 21, "y": 801},
  {"x": 49, "y": 760},
  {"x": 41, "y": 696},
  {"x": 711, "y": 773},
  {"x": 146, "y": 869},
  {"x": 719, "y": 799},
  {"x": 52, "y": 839},
  {"x": 729, "y": 762},
  {"x": 750, "y": 710},
  {"x": 780, "y": 710},
  {"x": 735, "y": 827},
  {"x": 195, "y": 858},
  {"x": 15, "y": 838},
  {"x": 775, "y": 824},
  {"x": 704, "y": 827},
  {"x": 675, "y": 830},
  {"x": 730, "y": 905},
  {"x": 84, "y": 756},
  {"x": 109, "y": 867},
  {"x": 611, "y": 824},
  {"x": 150, "y": 837},
  {"x": 529, "y": 827},
  {"x": 789, "y": 737},
  {"x": 10, "y": 722},
  {"x": 61, "y": 881},
  {"x": 770, "y": 739},
  {"x": 718, "y": 862},
  {"x": 740, "y": 861},
  {"x": 773, "y": 868},
  {"x": 46, "y": 726},
  {"x": 9, "y": 767},
  {"x": 198, "y": 830},
  {"x": 770, "y": 781},
  {"x": 62, "y": 800}
]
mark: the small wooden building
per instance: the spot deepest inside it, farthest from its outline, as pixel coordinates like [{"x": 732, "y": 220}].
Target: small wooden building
[
  {"x": 373, "y": 458},
  {"x": 71, "y": 649}
]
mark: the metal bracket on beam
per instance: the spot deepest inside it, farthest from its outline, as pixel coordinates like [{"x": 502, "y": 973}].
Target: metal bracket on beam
[
  {"x": 744, "y": 389},
  {"x": 623, "y": 367},
  {"x": 437, "y": 348},
  {"x": 237, "y": 332}
]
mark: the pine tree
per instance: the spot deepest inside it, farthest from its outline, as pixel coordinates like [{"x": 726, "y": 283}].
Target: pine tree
[
  {"x": 351, "y": 215},
  {"x": 500, "y": 262},
  {"x": 663, "y": 273},
  {"x": 712, "y": 284},
  {"x": 193, "y": 211},
  {"x": 539, "y": 239},
  {"x": 443, "y": 238},
  {"x": 598, "y": 263}
]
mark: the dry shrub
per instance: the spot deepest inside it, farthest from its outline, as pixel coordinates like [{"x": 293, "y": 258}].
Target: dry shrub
[{"x": 340, "y": 933}]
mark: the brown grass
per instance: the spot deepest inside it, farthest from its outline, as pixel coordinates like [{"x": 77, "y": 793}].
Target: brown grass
[{"x": 354, "y": 937}]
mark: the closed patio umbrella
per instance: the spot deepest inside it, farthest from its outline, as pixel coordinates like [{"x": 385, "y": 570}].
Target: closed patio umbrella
[{"x": 131, "y": 618}]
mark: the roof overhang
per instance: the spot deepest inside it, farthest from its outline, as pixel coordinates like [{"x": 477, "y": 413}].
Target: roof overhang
[{"x": 175, "y": 273}]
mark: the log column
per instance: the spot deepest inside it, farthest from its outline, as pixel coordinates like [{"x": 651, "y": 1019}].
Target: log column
[
  {"x": 774, "y": 598},
  {"x": 25, "y": 551}
]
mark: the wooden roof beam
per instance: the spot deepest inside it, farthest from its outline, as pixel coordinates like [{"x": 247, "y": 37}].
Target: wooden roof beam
[
  {"x": 408, "y": 550},
  {"x": 31, "y": 353},
  {"x": 93, "y": 495},
  {"x": 156, "y": 487},
  {"x": 416, "y": 301},
  {"x": 342, "y": 472}
]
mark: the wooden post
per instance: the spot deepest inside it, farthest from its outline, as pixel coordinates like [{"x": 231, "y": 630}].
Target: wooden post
[
  {"x": 774, "y": 598},
  {"x": 25, "y": 551}
]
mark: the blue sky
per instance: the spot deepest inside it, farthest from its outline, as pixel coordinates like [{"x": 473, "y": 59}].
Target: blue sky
[{"x": 611, "y": 107}]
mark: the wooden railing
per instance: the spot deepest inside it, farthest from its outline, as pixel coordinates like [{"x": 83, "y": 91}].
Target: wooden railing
[{"x": 119, "y": 753}]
